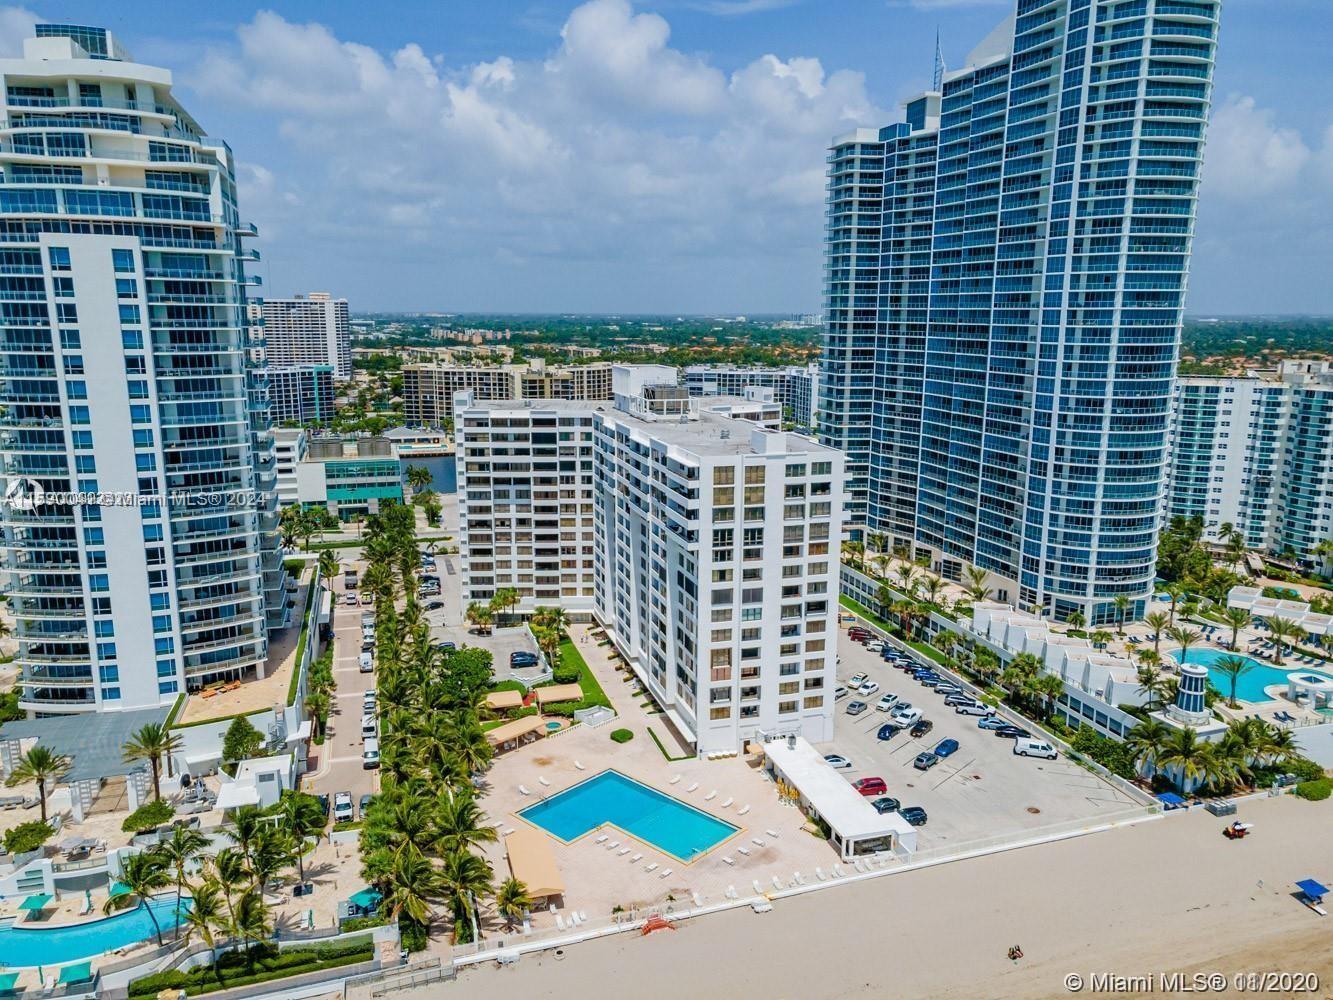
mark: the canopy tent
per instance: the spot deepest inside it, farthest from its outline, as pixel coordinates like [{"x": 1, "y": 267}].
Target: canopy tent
[
  {"x": 72, "y": 845},
  {"x": 7, "y": 981},
  {"x": 1312, "y": 889},
  {"x": 558, "y": 692},
  {"x": 1170, "y": 799},
  {"x": 118, "y": 889},
  {"x": 366, "y": 901},
  {"x": 35, "y": 902},
  {"x": 500, "y": 700},
  {"x": 79, "y": 972},
  {"x": 517, "y": 729},
  {"x": 532, "y": 862}
]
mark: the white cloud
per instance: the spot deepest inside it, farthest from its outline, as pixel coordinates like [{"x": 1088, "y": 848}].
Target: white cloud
[
  {"x": 15, "y": 25},
  {"x": 733, "y": 8},
  {"x": 1248, "y": 154},
  {"x": 615, "y": 149}
]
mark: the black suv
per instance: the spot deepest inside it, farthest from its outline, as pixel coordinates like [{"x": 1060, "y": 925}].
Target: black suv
[
  {"x": 921, "y": 728},
  {"x": 914, "y": 815}
]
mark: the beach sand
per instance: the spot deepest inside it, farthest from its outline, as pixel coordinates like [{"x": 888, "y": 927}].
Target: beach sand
[{"x": 1161, "y": 896}]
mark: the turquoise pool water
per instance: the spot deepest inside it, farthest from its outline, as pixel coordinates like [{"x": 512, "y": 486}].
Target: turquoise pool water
[
  {"x": 1250, "y": 686},
  {"x": 668, "y": 824},
  {"x": 28, "y": 944}
]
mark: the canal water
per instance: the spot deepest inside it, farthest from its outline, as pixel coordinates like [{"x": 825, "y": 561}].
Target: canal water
[{"x": 444, "y": 474}]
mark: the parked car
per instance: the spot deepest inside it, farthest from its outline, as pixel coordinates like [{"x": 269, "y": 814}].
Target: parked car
[
  {"x": 947, "y": 688},
  {"x": 366, "y": 664},
  {"x": 434, "y": 605},
  {"x": 841, "y": 691},
  {"x": 886, "y": 702},
  {"x": 837, "y": 761},
  {"x": 976, "y": 708},
  {"x": 925, "y": 761},
  {"x": 874, "y": 645},
  {"x": 446, "y": 647},
  {"x": 522, "y": 659},
  {"x": 905, "y": 715},
  {"x": 366, "y": 800},
  {"x": 859, "y": 679},
  {"x": 342, "y": 807},
  {"x": 931, "y": 680},
  {"x": 1026, "y": 747},
  {"x": 945, "y": 748},
  {"x": 370, "y": 754},
  {"x": 868, "y": 688},
  {"x": 856, "y": 707},
  {"x": 956, "y": 700},
  {"x": 870, "y": 786},
  {"x": 922, "y": 727},
  {"x": 324, "y": 803},
  {"x": 858, "y": 633},
  {"x": 888, "y": 731},
  {"x": 991, "y": 722},
  {"x": 914, "y": 815},
  {"x": 1012, "y": 732},
  {"x": 885, "y": 805}
]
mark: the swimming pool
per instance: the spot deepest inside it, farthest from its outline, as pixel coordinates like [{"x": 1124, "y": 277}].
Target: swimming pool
[
  {"x": 28, "y": 944},
  {"x": 1250, "y": 686},
  {"x": 668, "y": 824}
]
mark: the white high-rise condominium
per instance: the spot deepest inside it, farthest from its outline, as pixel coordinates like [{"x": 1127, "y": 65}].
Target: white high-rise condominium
[
  {"x": 1256, "y": 452},
  {"x": 128, "y": 369},
  {"x": 707, "y": 546},
  {"x": 312, "y": 329}
]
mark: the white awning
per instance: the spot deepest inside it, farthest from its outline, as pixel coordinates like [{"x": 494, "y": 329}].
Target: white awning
[
  {"x": 233, "y": 795},
  {"x": 303, "y": 732}
]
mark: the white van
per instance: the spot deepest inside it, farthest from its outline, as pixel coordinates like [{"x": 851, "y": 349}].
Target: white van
[
  {"x": 368, "y": 728},
  {"x": 1027, "y": 747},
  {"x": 370, "y": 754},
  {"x": 367, "y": 663}
]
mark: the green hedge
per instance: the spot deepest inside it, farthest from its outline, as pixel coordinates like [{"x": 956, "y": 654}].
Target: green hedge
[
  {"x": 28, "y": 836},
  {"x": 1315, "y": 791},
  {"x": 665, "y": 753},
  {"x": 264, "y": 962},
  {"x": 149, "y": 816},
  {"x": 622, "y": 735},
  {"x": 510, "y": 685}
]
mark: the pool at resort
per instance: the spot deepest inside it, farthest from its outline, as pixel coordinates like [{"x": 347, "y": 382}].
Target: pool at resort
[
  {"x": 610, "y": 797},
  {"x": 1250, "y": 686},
  {"x": 30, "y": 944}
]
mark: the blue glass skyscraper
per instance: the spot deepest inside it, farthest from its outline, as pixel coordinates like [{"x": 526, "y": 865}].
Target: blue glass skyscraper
[{"x": 1008, "y": 392}]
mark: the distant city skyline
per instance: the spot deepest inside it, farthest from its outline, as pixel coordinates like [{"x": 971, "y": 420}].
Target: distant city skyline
[{"x": 663, "y": 157}]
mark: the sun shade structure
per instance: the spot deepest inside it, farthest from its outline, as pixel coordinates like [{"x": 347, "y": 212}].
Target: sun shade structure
[
  {"x": 94, "y": 742},
  {"x": 35, "y": 902},
  {"x": 1312, "y": 888},
  {"x": 532, "y": 862},
  {"x": 500, "y": 700},
  {"x": 558, "y": 692},
  {"x": 515, "y": 730},
  {"x": 366, "y": 899},
  {"x": 79, "y": 972},
  {"x": 7, "y": 981}
]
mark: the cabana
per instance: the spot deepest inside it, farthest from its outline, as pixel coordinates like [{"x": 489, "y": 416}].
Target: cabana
[
  {"x": 500, "y": 701},
  {"x": 558, "y": 692},
  {"x": 516, "y": 732},
  {"x": 532, "y": 862},
  {"x": 34, "y": 904}
]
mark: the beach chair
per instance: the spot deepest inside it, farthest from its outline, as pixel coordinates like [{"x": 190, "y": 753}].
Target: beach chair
[
  {"x": 522, "y": 790},
  {"x": 819, "y": 874},
  {"x": 729, "y": 861},
  {"x": 744, "y": 850},
  {"x": 613, "y": 845},
  {"x": 711, "y": 796},
  {"x": 650, "y": 868},
  {"x": 579, "y": 766},
  {"x": 772, "y": 833},
  {"x": 777, "y": 883},
  {"x": 665, "y": 874},
  {"x": 729, "y": 801},
  {"x": 542, "y": 778},
  {"x": 602, "y": 839},
  {"x": 731, "y": 892},
  {"x": 636, "y": 859},
  {"x": 692, "y": 787},
  {"x": 559, "y": 922},
  {"x": 623, "y": 851},
  {"x": 744, "y": 810},
  {"x": 507, "y": 830},
  {"x": 756, "y": 841},
  {"x": 674, "y": 780},
  {"x": 755, "y": 883}
]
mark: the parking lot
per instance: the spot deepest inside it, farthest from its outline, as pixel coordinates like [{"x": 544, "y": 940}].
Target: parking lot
[{"x": 983, "y": 789}]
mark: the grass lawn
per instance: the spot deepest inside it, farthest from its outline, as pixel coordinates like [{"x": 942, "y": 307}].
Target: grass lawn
[
  {"x": 571, "y": 658},
  {"x": 926, "y": 649},
  {"x": 864, "y": 612}
]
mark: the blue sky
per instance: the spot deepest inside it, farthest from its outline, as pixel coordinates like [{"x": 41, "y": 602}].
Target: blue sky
[{"x": 667, "y": 156}]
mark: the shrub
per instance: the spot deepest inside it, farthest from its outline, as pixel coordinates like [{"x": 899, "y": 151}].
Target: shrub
[
  {"x": 1315, "y": 791},
  {"x": 1116, "y": 757},
  {"x": 413, "y": 935},
  {"x": 622, "y": 736},
  {"x": 263, "y": 962},
  {"x": 27, "y": 836},
  {"x": 565, "y": 675},
  {"x": 564, "y": 709},
  {"x": 241, "y": 741},
  {"x": 510, "y": 685},
  {"x": 360, "y": 924},
  {"x": 148, "y": 817}
]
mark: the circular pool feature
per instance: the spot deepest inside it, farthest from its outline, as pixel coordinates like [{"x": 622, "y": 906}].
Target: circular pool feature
[{"x": 553, "y": 726}]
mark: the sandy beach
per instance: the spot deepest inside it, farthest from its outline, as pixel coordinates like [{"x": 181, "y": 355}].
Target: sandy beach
[{"x": 1164, "y": 896}]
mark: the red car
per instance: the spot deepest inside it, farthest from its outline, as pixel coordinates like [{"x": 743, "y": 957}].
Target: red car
[
  {"x": 870, "y": 786},
  {"x": 858, "y": 634}
]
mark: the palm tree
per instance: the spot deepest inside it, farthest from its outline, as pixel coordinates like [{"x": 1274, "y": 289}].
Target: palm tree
[
  {"x": 906, "y": 579},
  {"x": 465, "y": 878},
  {"x": 1100, "y": 638},
  {"x": 418, "y": 477},
  {"x": 1174, "y": 591},
  {"x": 931, "y": 589},
  {"x": 1184, "y": 638},
  {"x": 1234, "y": 668},
  {"x": 412, "y": 885},
  {"x": 1147, "y": 742},
  {"x": 205, "y": 914},
  {"x": 152, "y": 742},
  {"x": 1282, "y": 630},
  {"x": 231, "y": 875},
  {"x": 302, "y": 818},
  {"x": 179, "y": 851},
  {"x": 250, "y": 921},
  {"x": 1150, "y": 658},
  {"x": 246, "y": 822},
  {"x": 1154, "y": 685},
  {"x": 512, "y": 901},
  {"x": 328, "y": 564},
  {"x": 271, "y": 852},
  {"x": 857, "y": 550},
  {"x": 1184, "y": 753},
  {"x": 1048, "y": 688},
  {"x": 143, "y": 874},
  {"x": 1237, "y": 618},
  {"x": 40, "y": 764},
  {"x": 460, "y": 824},
  {"x": 976, "y": 583},
  {"x": 1323, "y": 550},
  {"x": 470, "y": 745},
  {"x": 1122, "y": 605},
  {"x": 1158, "y": 621}
]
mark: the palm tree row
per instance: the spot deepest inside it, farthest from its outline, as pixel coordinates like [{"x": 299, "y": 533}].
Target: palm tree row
[{"x": 1218, "y": 766}]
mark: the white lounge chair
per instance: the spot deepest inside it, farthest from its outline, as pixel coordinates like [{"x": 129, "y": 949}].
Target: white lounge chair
[
  {"x": 692, "y": 787},
  {"x": 602, "y": 839},
  {"x": 744, "y": 810},
  {"x": 613, "y": 845},
  {"x": 698, "y": 900},
  {"x": 583, "y": 915},
  {"x": 711, "y": 796},
  {"x": 636, "y": 859},
  {"x": 757, "y": 888},
  {"x": 579, "y": 766},
  {"x": 573, "y": 918},
  {"x": 772, "y": 833},
  {"x": 837, "y": 871},
  {"x": 756, "y": 841},
  {"x": 623, "y": 851},
  {"x": 523, "y": 791},
  {"x": 542, "y": 779},
  {"x": 650, "y": 868},
  {"x": 728, "y": 861},
  {"x": 559, "y": 922},
  {"x": 744, "y": 850},
  {"x": 729, "y": 801},
  {"x": 731, "y": 892},
  {"x": 665, "y": 874},
  {"x": 777, "y": 882},
  {"x": 507, "y": 830},
  {"x": 674, "y": 780},
  {"x": 798, "y": 878},
  {"x": 819, "y": 873}
]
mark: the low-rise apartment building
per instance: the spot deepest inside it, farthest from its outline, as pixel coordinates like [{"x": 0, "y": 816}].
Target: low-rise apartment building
[{"x": 429, "y": 389}]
